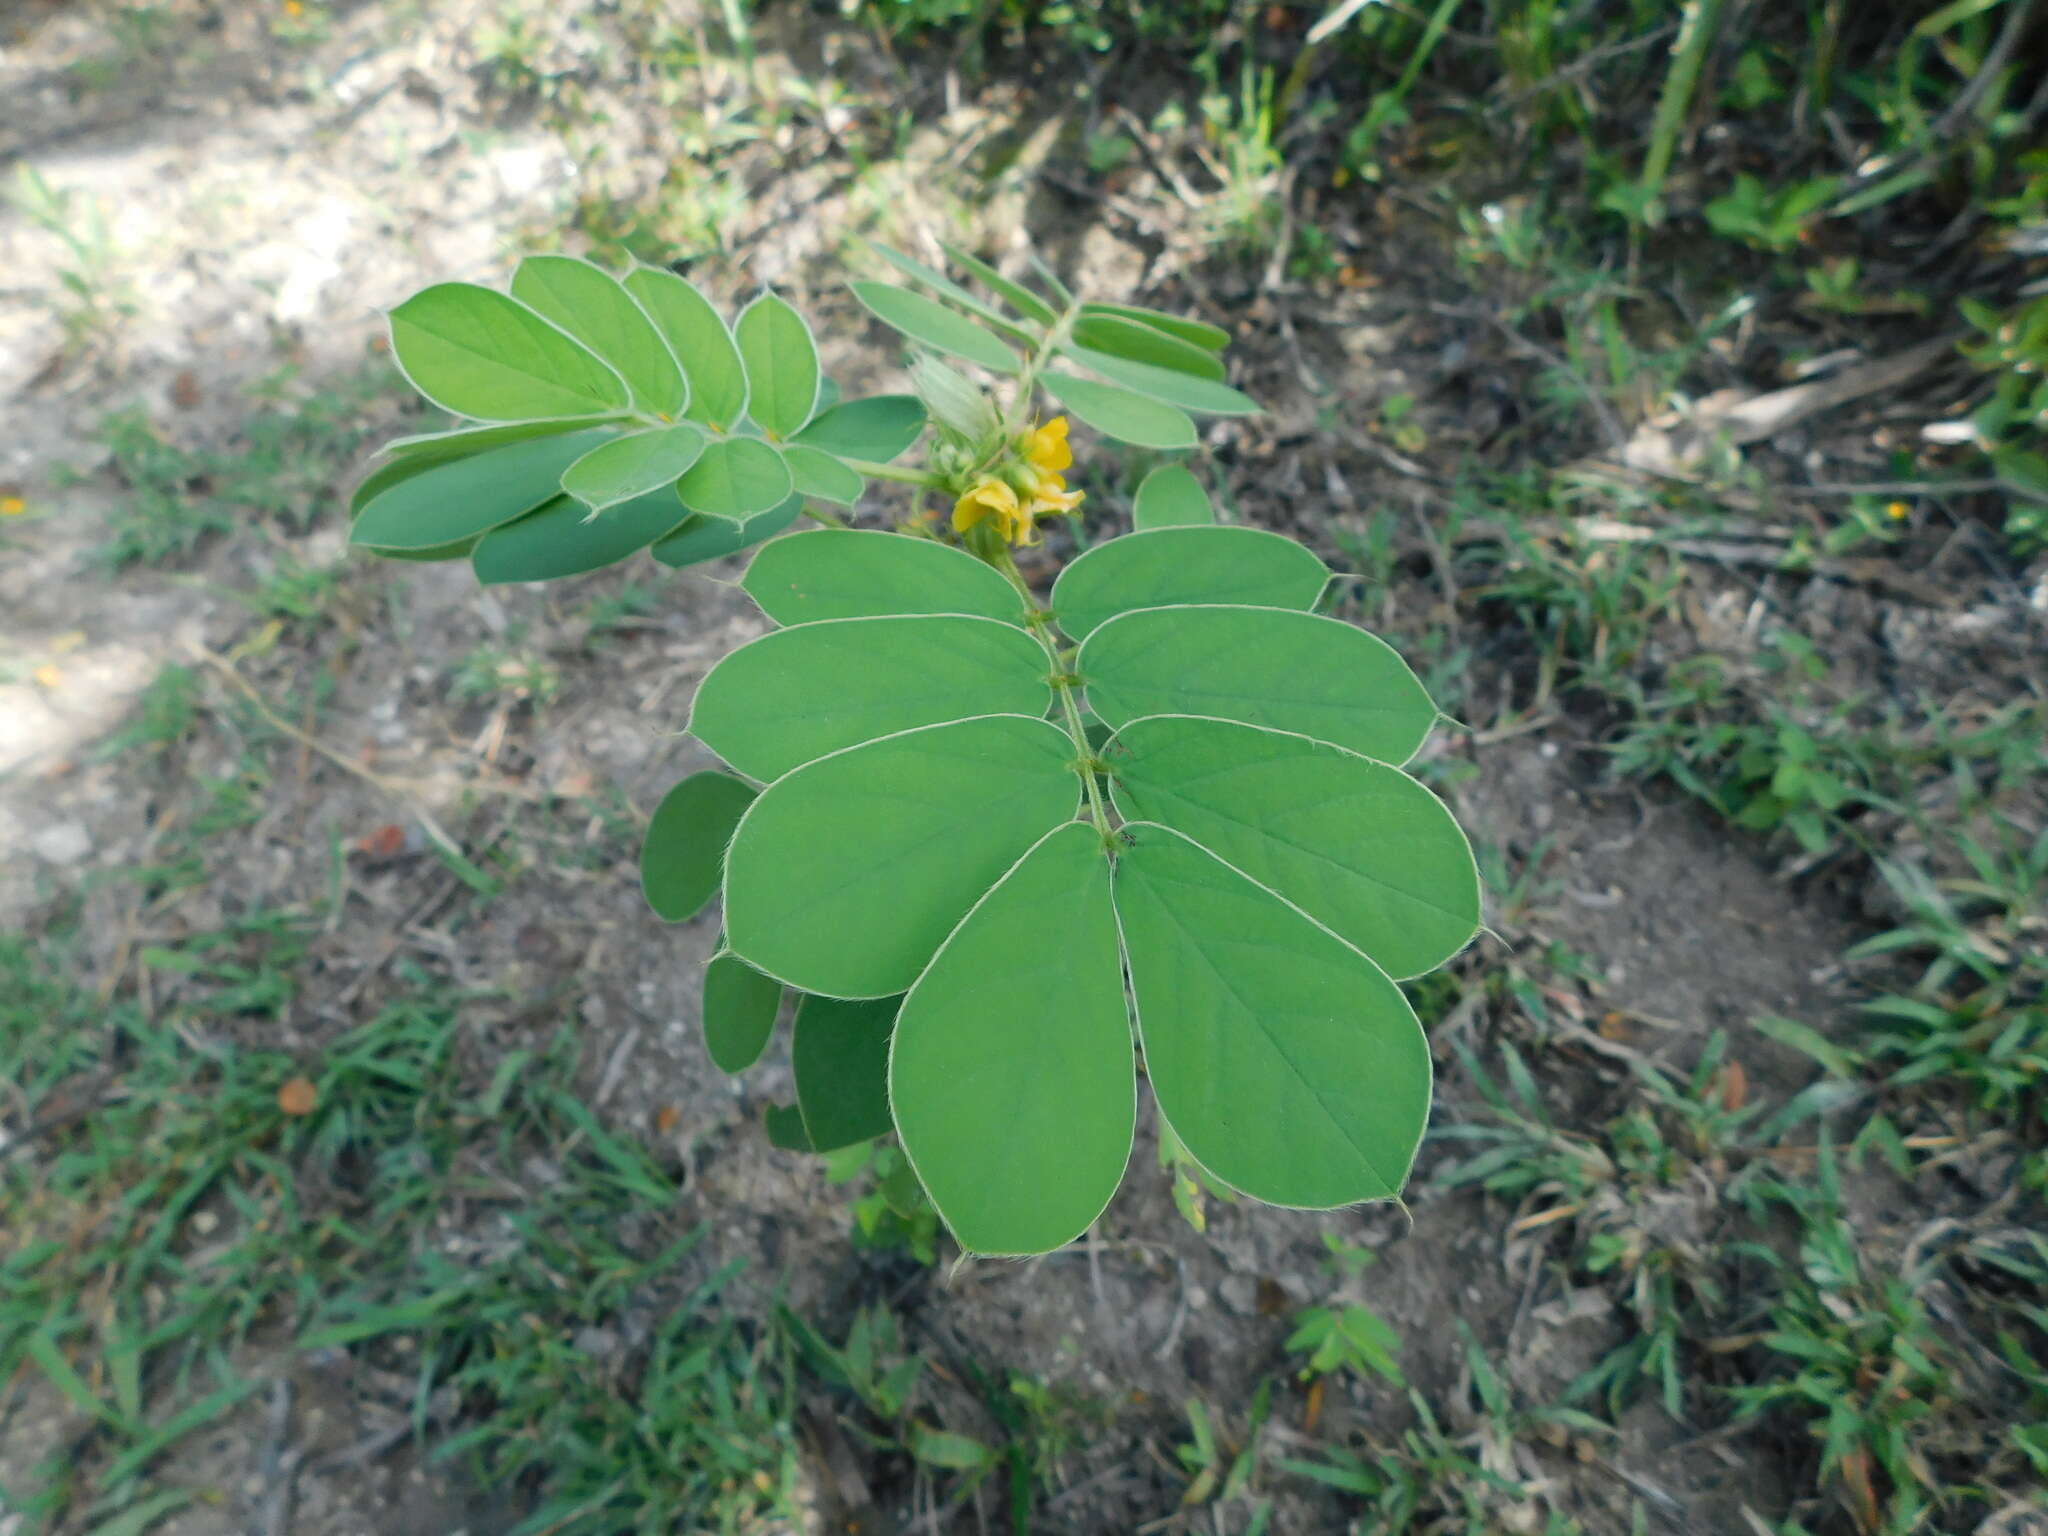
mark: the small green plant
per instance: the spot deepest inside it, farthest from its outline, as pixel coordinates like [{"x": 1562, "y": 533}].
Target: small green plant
[
  {"x": 95, "y": 299},
  {"x": 961, "y": 810},
  {"x": 1772, "y": 218}
]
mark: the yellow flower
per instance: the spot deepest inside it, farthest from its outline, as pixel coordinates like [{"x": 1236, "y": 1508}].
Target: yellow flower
[
  {"x": 1046, "y": 450},
  {"x": 12, "y": 506},
  {"x": 1897, "y": 511},
  {"x": 993, "y": 499}
]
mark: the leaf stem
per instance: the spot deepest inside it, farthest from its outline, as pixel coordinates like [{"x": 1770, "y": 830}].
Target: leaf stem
[
  {"x": 875, "y": 471},
  {"x": 1041, "y": 631}
]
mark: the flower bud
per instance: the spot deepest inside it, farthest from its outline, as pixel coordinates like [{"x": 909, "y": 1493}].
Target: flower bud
[{"x": 953, "y": 400}]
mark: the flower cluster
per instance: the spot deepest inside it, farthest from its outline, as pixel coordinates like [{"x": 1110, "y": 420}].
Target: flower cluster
[{"x": 1024, "y": 490}]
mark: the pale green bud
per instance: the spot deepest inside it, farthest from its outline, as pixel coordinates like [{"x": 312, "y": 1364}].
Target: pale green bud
[{"x": 954, "y": 401}]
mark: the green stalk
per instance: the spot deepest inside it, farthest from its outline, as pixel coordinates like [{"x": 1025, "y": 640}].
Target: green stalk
[
  {"x": 1689, "y": 56},
  {"x": 874, "y": 471},
  {"x": 1035, "y": 620}
]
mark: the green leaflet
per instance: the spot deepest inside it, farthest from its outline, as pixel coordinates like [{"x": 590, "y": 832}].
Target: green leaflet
[
  {"x": 1185, "y": 565},
  {"x": 784, "y": 1124},
  {"x": 1207, "y": 396},
  {"x": 740, "y": 1005},
  {"x": 477, "y": 353},
  {"x": 781, "y": 362},
  {"x": 1171, "y": 497},
  {"x": 1011, "y": 1074},
  {"x": 848, "y": 873},
  {"x": 682, "y": 857},
  {"x": 634, "y": 464},
  {"x": 1200, "y": 332},
  {"x": 840, "y": 1058},
  {"x": 1262, "y": 666},
  {"x": 699, "y": 538},
  {"x": 817, "y": 473},
  {"x": 415, "y": 455},
  {"x": 564, "y": 538},
  {"x": 923, "y": 319},
  {"x": 1118, "y": 413},
  {"x": 853, "y": 573},
  {"x": 876, "y": 429},
  {"x": 938, "y": 282},
  {"x": 697, "y": 336},
  {"x": 1016, "y": 295},
  {"x": 1360, "y": 847},
  {"x": 1135, "y": 341},
  {"x": 736, "y": 477},
  {"x": 589, "y": 303},
  {"x": 1284, "y": 1060},
  {"x": 448, "y": 503},
  {"x": 797, "y": 694}
]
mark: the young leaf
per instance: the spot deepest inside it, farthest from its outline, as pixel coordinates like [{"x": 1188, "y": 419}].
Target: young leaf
[
  {"x": 781, "y": 362},
  {"x": 699, "y": 538},
  {"x": 1206, "y": 396},
  {"x": 1200, "y": 332},
  {"x": 1360, "y": 847},
  {"x": 922, "y": 319},
  {"x": 1135, "y": 342},
  {"x": 1262, "y": 666},
  {"x": 797, "y": 694},
  {"x": 854, "y": 573},
  {"x": 840, "y": 1057},
  {"x": 740, "y": 1005},
  {"x": 816, "y": 473},
  {"x": 1285, "y": 1061},
  {"x": 847, "y": 874},
  {"x": 1171, "y": 497},
  {"x": 1118, "y": 413},
  {"x": 938, "y": 282},
  {"x": 1016, "y": 295},
  {"x": 1011, "y": 1075},
  {"x": 633, "y": 465},
  {"x": 591, "y": 305},
  {"x": 448, "y": 503},
  {"x": 697, "y": 336},
  {"x": 876, "y": 429},
  {"x": 682, "y": 858},
  {"x": 1185, "y": 565},
  {"x": 736, "y": 477},
  {"x": 479, "y": 354},
  {"x": 564, "y": 539}
]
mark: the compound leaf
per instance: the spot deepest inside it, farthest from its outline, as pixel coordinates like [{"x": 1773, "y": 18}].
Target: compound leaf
[
  {"x": 1284, "y": 1060},
  {"x": 876, "y": 429},
  {"x": 450, "y": 502},
  {"x": 591, "y": 305},
  {"x": 926, "y": 320},
  {"x": 564, "y": 538},
  {"x": 740, "y": 1005},
  {"x": 682, "y": 858},
  {"x": 1185, "y": 565},
  {"x": 852, "y": 573},
  {"x": 1121, "y": 414},
  {"x": 1360, "y": 847},
  {"x": 736, "y": 477},
  {"x": 797, "y": 694},
  {"x": 634, "y": 464},
  {"x": 696, "y": 334},
  {"x": 1262, "y": 666},
  {"x": 840, "y": 1058},
  {"x": 938, "y": 282},
  {"x": 1171, "y": 497},
  {"x": 781, "y": 362},
  {"x": 1207, "y": 396},
  {"x": 1016, "y": 295},
  {"x": 847, "y": 874},
  {"x": 1011, "y": 1075},
  {"x": 475, "y": 352}
]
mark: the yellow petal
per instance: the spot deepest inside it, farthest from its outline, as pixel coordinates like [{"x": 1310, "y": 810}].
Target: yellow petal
[
  {"x": 1047, "y": 449},
  {"x": 990, "y": 498}
]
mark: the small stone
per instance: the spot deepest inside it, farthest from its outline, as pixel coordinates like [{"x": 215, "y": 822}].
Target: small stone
[{"x": 64, "y": 843}]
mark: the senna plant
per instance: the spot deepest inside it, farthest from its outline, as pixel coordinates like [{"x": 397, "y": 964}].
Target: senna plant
[{"x": 991, "y": 839}]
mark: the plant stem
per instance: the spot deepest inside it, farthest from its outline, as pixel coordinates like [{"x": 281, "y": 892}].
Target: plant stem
[
  {"x": 876, "y": 471},
  {"x": 1041, "y": 631},
  {"x": 820, "y": 515}
]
